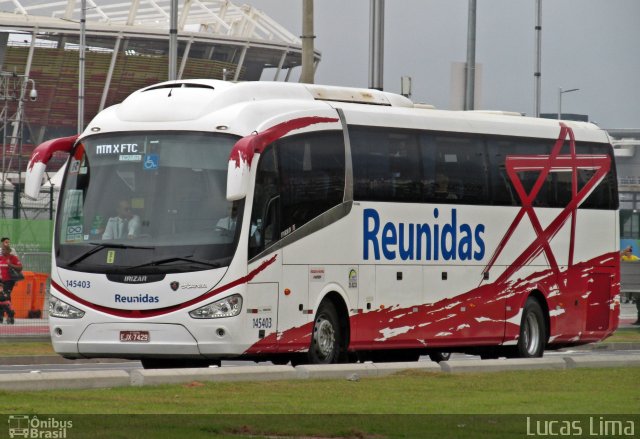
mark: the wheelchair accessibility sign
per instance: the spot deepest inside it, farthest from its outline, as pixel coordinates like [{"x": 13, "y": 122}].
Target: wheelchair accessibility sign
[{"x": 151, "y": 162}]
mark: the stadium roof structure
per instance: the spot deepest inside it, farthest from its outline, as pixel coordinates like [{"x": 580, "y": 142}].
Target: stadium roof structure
[
  {"x": 218, "y": 17},
  {"x": 127, "y": 44}
]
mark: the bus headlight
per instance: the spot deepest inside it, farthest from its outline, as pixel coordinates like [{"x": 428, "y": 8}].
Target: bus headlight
[
  {"x": 58, "y": 308},
  {"x": 227, "y": 307}
]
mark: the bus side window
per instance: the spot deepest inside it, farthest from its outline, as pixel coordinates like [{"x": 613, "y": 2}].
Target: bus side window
[
  {"x": 265, "y": 211},
  {"x": 311, "y": 169},
  {"x": 271, "y": 223},
  {"x": 503, "y": 192},
  {"x": 386, "y": 164},
  {"x": 455, "y": 169}
]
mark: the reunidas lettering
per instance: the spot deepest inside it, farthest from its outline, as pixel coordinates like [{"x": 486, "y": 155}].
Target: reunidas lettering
[
  {"x": 140, "y": 298},
  {"x": 445, "y": 240}
]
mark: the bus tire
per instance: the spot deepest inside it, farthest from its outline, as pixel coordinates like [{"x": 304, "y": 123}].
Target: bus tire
[
  {"x": 532, "y": 339},
  {"x": 440, "y": 356},
  {"x": 326, "y": 338}
]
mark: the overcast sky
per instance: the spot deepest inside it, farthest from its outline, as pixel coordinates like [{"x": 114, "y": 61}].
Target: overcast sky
[{"x": 593, "y": 45}]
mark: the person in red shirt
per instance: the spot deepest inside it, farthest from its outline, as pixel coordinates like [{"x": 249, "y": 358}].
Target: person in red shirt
[
  {"x": 5, "y": 307},
  {"x": 7, "y": 259},
  {"x": 6, "y": 242}
]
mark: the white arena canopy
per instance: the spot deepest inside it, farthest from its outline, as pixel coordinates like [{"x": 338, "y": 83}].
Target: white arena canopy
[{"x": 127, "y": 45}]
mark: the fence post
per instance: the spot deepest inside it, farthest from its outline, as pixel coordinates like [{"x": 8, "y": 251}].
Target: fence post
[
  {"x": 16, "y": 200},
  {"x": 51, "y": 202}
]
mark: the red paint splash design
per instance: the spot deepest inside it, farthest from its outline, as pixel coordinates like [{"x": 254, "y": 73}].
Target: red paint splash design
[
  {"x": 571, "y": 162},
  {"x": 145, "y": 313},
  {"x": 581, "y": 300},
  {"x": 488, "y": 315},
  {"x": 245, "y": 148}
]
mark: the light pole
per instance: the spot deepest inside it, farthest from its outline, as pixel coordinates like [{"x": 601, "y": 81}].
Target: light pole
[
  {"x": 81, "y": 64},
  {"x": 306, "y": 76},
  {"x": 537, "y": 74},
  {"x": 376, "y": 44},
  {"x": 470, "y": 70},
  {"x": 560, "y": 92},
  {"x": 173, "y": 41}
]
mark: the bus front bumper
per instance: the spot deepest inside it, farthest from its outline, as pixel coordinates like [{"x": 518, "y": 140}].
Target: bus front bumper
[{"x": 139, "y": 340}]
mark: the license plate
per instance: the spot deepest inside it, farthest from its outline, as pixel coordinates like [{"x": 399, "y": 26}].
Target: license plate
[{"x": 134, "y": 336}]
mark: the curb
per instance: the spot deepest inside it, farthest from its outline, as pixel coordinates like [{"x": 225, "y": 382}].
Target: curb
[
  {"x": 26, "y": 360},
  {"x": 34, "y": 381},
  {"x": 31, "y": 381},
  {"x": 475, "y": 366},
  {"x": 620, "y": 346}
]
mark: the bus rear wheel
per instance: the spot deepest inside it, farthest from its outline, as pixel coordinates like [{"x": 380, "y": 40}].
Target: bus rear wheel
[
  {"x": 326, "y": 339},
  {"x": 440, "y": 356},
  {"x": 532, "y": 339}
]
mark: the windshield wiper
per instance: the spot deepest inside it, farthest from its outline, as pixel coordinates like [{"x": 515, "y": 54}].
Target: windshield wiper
[
  {"x": 101, "y": 246},
  {"x": 176, "y": 259}
]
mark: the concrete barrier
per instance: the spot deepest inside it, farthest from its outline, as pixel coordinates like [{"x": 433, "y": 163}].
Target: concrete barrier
[
  {"x": 602, "y": 361},
  {"x": 384, "y": 369},
  {"x": 148, "y": 377},
  {"x": 140, "y": 377},
  {"x": 620, "y": 346},
  {"x": 501, "y": 365},
  {"x": 336, "y": 371},
  {"x": 55, "y": 359},
  {"x": 64, "y": 380}
]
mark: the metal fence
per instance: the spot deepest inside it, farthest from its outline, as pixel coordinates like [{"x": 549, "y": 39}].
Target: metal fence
[
  {"x": 28, "y": 223},
  {"x": 29, "y": 299}
]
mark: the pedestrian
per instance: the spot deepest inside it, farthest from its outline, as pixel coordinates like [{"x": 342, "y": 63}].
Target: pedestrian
[
  {"x": 6, "y": 242},
  {"x": 5, "y": 306},
  {"x": 9, "y": 264},
  {"x": 627, "y": 255}
]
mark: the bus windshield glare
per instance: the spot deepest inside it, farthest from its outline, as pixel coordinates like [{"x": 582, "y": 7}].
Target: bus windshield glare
[{"x": 150, "y": 201}]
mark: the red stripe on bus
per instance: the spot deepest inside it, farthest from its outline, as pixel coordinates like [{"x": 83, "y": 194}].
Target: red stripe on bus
[
  {"x": 146, "y": 313},
  {"x": 553, "y": 162},
  {"x": 244, "y": 148}
]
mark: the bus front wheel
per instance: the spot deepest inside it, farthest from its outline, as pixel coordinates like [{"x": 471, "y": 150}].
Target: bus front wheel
[
  {"x": 326, "y": 339},
  {"x": 532, "y": 337}
]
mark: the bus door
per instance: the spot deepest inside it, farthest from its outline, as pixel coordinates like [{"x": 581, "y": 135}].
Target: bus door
[
  {"x": 262, "y": 312},
  {"x": 262, "y": 252}
]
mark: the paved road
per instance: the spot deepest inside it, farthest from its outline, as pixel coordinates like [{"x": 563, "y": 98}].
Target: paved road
[
  {"x": 628, "y": 315},
  {"x": 132, "y": 365}
]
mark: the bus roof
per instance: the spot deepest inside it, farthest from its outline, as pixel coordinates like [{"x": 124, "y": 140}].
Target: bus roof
[{"x": 242, "y": 108}]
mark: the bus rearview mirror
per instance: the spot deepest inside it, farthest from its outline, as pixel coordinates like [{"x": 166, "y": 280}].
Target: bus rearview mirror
[
  {"x": 237, "y": 180},
  {"x": 39, "y": 160}
]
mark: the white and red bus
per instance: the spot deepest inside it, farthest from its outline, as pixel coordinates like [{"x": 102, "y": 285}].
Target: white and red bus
[{"x": 320, "y": 224}]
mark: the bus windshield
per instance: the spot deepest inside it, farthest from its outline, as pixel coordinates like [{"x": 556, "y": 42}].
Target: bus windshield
[{"x": 149, "y": 202}]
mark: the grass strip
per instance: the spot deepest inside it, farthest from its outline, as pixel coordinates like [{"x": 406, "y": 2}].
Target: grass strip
[
  {"x": 579, "y": 391},
  {"x": 407, "y": 405}
]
